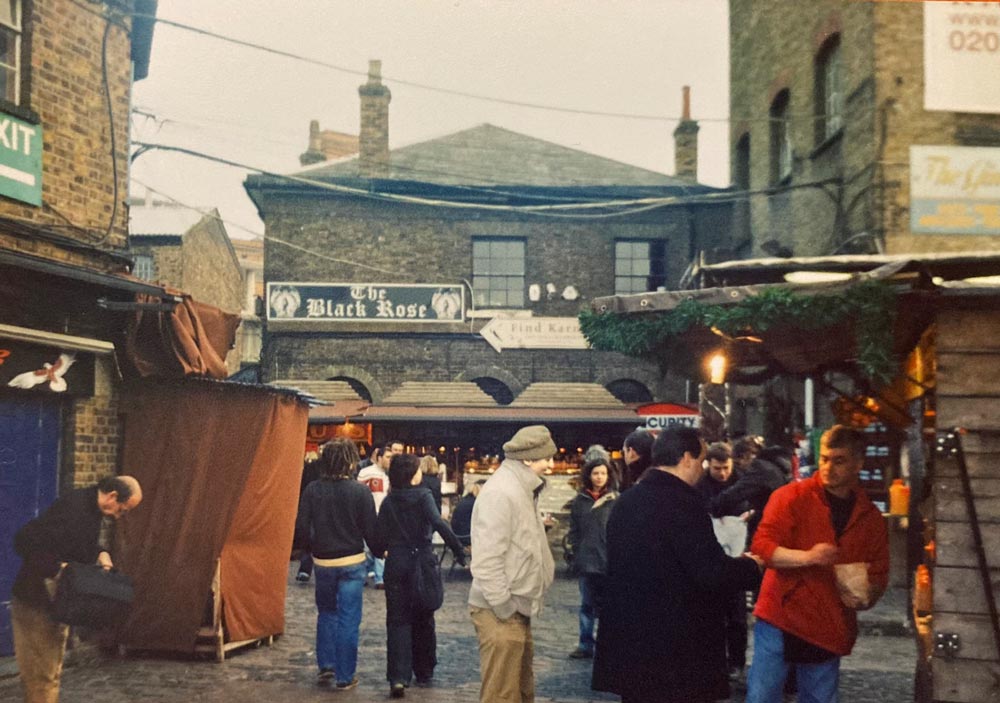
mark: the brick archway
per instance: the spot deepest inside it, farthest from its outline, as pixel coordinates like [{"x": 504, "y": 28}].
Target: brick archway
[{"x": 358, "y": 374}]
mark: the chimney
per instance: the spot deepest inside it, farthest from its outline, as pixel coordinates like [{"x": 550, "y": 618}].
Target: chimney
[
  {"x": 686, "y": 142},
  {"x": 373, "y": 161},
  {"x": 314, "y": 154}
]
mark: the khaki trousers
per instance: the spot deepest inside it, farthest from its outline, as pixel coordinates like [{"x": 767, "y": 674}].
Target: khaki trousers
[
  {"x": 506, "y": 653},
  {"x": 39, "y": 645}
]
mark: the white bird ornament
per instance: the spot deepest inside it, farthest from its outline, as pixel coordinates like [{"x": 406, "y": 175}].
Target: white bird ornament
[{"x": 53, "y": 373}]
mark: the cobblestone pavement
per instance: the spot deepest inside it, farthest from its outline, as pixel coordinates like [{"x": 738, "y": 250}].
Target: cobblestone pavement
[{"x": 880, "y": 670}]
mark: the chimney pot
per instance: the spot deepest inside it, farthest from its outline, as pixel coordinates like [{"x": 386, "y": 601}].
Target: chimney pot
[
  {"x": 686, "y": 141},
  {"x": 373, "y": 143}
]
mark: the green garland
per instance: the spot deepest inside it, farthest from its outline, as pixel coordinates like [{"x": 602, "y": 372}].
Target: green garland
[{"x": 871, "y": 306}]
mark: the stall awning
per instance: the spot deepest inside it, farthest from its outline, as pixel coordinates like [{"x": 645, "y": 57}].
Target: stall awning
[
  {"x": 336, "y": 412},
  {"x": 403, "y": 413},
  {"x": 572, "y": 395},
  {"x": 122, "y": 282}
]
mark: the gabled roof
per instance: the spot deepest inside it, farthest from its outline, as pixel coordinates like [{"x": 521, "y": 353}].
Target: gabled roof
[{"x": 488, "y": 155}]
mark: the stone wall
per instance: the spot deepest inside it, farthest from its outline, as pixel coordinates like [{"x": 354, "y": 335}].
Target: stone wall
[
  {"x": 405, "y": 244},
  {"x": 68, "y": 95}
]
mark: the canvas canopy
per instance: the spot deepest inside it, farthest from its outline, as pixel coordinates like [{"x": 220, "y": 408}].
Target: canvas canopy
[{"x": 220, "y": 465}]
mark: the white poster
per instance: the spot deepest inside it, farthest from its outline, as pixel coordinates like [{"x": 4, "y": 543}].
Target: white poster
[
  {"x": 962, "y": 56},
  {"x": 955, "y": 189}
]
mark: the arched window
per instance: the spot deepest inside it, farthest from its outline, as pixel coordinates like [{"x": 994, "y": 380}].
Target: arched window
[
  {"x": 629, "y": 391},
  {"x": 356, "y": 386},
  {"x": 781, "y": 139},
  {"x": 496, "y": 389},
  {"x": 829, "y": 91}
]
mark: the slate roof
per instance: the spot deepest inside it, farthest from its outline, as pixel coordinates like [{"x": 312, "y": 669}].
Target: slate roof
[{"x": 491, "y": 155}]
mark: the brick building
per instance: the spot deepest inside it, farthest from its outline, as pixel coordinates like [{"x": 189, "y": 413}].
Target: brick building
[
  {"x": 65, "y": 85},
  {"x": 488, "y": 242},
  {"x": 827, "y": 99},
  {"x": 189, "y": 249}
]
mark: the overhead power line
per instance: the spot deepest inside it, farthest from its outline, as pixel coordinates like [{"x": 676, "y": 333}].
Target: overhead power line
[
  {"x": 628, "y": 206},
  {"x": 461, "y": 93},
  {"x": 266, "y": 237}
]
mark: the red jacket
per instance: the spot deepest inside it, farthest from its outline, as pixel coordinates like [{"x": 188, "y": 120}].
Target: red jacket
[{"x": 805, "y": 601}]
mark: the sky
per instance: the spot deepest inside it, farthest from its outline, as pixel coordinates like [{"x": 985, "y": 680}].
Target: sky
[{"x": 251, "y": 107}]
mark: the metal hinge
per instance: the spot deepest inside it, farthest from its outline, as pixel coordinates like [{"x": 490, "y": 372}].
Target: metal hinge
[{"x": 947, "y": 644}]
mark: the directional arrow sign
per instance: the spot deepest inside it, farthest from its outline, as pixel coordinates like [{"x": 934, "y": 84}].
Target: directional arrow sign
[{"x": 534, "y": 333}]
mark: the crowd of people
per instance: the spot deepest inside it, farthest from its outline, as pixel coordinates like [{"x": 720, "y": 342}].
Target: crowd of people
[{"x": 665, "y": 548}]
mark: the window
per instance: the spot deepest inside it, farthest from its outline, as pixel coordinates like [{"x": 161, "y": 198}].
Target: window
[
  {"x": 640, "y": 266},
  {"x": 829, "y": 92},
  {"x": 144, "y": 267},
  {"x": 781, "y": 140},
  {"x": 10, "y": 51},
  {"x": 498, "y": 272},
  {"x": 741, "y": 164}
]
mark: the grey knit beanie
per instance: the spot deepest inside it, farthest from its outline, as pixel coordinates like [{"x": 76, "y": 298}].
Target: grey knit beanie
[{"x": 530, "y": 443}]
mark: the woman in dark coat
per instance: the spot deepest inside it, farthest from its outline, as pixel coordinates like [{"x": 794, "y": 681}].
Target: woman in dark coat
[
  {"x": 588, "y": 521},
  {"x": 431, "y": 480},
  {"x": 405, "y": 524}
]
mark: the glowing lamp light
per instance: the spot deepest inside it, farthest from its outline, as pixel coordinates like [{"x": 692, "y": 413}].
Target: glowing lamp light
[{"x": 717, "y": 368}]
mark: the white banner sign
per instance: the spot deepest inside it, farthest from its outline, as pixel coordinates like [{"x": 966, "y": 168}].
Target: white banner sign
[
  {"x": 955, "y": 189},
  {"x": 662, "y": 422},
  {"x": 962, "y": 56}
]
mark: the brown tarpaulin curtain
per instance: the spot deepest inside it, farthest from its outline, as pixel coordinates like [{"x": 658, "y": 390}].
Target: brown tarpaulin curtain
[
  {"x": 220, "y": 466},
  {"x": 192, "y": 340}
]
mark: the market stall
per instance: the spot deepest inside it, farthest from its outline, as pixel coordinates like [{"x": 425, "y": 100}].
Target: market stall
[
  {"x": 220, "y": 465},
  {"x": 911, "y": 345}
]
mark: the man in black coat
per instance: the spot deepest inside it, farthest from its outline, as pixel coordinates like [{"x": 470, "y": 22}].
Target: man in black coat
[
  {"x": 662, "y": 636},
  {"x": 77, "y": 527},
  {"x": 769, "y": 471}
]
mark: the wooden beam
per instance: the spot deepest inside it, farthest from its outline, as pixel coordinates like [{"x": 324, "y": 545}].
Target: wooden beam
[
  {"x": 968, "y": 374},
  {"x": 954, "y": 545},
  {"x": 975, "y": 636},
  {"x": 949, "y": 500},
  {"x": 962, "y": 681},
  {"x": 977, "y": 330},
  {"x": 979, "y": 465},
  {"x": 981, "y": 443},
  {"x": 969, "y": 413},
  {"x": 960, "y": 590}
]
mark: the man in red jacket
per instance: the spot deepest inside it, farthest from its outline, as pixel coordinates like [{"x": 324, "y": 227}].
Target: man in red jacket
[{"x": 806, "y": 617}]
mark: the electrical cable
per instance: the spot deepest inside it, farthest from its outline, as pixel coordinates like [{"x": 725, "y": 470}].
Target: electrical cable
[
  {"x": 563, "y": 210},
  {"x": 266, "y": 237},
  {"x": 462, "y": 93},
  {"x": 111, "y": 130}
]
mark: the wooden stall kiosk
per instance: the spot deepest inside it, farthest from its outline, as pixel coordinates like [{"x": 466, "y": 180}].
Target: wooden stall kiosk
[
  {"x": 919, "y": 342},
  {"x": 220, "y": 465}
]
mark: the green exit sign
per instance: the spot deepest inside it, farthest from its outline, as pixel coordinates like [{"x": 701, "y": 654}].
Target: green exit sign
[{"x": 20, "y": 160}]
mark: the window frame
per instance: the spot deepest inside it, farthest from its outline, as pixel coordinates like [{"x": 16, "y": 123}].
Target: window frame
[
  {"x": 21, "y": 107},
  {"x": 656, "y": 266},
  {"x": 499, "y": 281},
  {"x": 828, "y": 83},
  {"x": 145, "y": 259},
  {"x": 782, "y": 161}
]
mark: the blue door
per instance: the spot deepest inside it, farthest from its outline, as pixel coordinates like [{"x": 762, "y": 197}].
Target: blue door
[{"x": 29, "y": 461}]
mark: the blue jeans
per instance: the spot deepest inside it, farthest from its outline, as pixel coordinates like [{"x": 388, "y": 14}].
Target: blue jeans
[
  {"x": 590, "y": 585},
  {"x": 338, "y": 598},
  {"x": 817, "y": 682}
]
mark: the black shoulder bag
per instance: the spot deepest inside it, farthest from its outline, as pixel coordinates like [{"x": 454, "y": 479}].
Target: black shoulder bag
[
  {"x": 92, "y": 596},
  {"x": 426, "y": 586}
]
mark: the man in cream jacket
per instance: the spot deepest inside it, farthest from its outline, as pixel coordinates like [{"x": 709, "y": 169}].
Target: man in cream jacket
[{"x": 512, "y": 566}]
